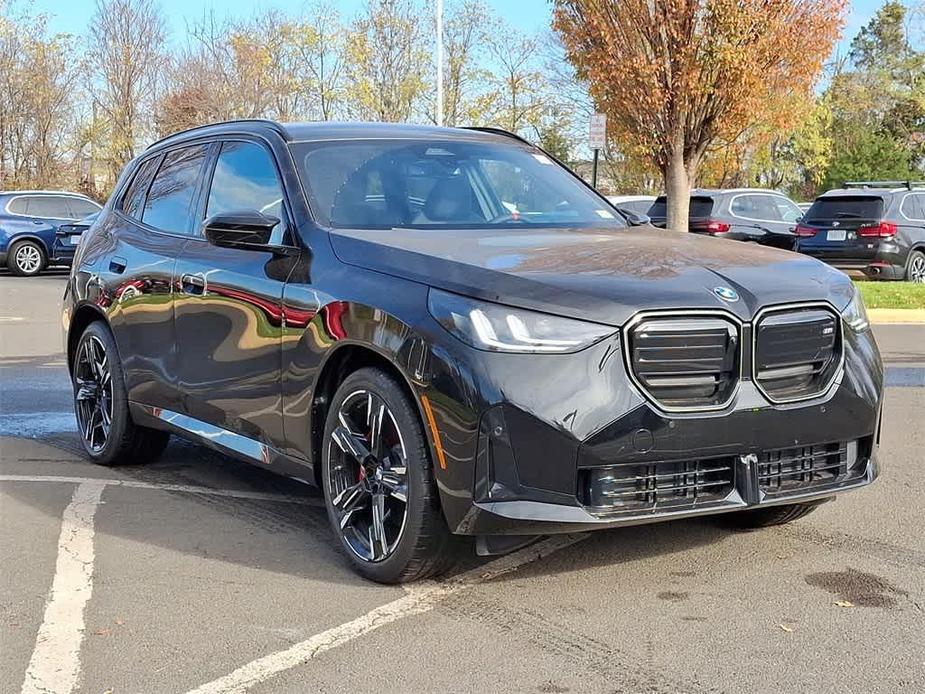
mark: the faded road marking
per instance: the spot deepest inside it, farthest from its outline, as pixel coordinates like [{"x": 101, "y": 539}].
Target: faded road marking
[
  {"x": 166, "y": 487},
  {"x": 55, "y": 662},
  {"x": 419, "y": 598}
]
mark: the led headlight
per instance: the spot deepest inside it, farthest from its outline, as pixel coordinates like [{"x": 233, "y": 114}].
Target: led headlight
[
  {"x": 855, "y": 315},
  {"x": 500, "y": 328}
]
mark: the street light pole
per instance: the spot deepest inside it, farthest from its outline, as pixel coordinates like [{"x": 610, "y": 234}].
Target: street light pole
[{"x": 440, "y": 62}]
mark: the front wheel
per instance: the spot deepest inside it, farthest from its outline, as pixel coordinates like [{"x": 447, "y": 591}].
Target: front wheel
[
  {"x": 104, "y": 424},
  {"x": 379, "y": 484},
  {"x": 26, "y": 258}
]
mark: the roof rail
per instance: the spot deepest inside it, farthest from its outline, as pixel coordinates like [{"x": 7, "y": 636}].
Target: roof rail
[
  {"x": 261, "y": 121},
  {"x": 884, "y": 184}
]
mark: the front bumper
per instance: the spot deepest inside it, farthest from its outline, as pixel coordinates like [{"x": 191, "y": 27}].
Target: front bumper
[{"x": 522, "y": 438}]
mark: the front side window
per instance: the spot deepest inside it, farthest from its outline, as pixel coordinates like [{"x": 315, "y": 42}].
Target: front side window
[
  {"x": 383, "y": 184},
  {"x": 245, "y": 178},
  {"x": 169, "y": 205},
  {"x": 771, "y": 208}
]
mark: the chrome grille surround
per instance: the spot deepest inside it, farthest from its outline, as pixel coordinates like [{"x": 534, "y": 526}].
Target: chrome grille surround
[
  {"x": 696, "y": 317},
  {"x": 830, "y": 371}
]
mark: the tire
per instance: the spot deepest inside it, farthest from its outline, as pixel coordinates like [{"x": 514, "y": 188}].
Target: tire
[
  {"x": 755, "y": 519},
  {"x": 417, "y": 544},
  {"x": 98, "y": 398},
  {"x": 915, "y": 268},
  {"x": 26, "y": 258}
]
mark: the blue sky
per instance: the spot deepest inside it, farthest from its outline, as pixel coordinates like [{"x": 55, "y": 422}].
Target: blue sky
[{"x": 527, "y": 15}]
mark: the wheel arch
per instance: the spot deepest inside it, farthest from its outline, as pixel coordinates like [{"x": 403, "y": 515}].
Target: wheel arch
[
  {"x": 29, "y": 236},
  {"x": 343, "y": 360},
  {"x": 84, "y": 315}
]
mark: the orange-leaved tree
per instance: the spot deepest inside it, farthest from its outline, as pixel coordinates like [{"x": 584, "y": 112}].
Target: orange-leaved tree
[{"x": 677, "y": 76}]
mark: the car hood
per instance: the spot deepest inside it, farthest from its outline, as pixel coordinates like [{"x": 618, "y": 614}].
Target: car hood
[{"x": 598, "y": 275}]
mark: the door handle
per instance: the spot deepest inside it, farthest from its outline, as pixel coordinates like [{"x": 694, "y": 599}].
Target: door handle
[
  {"x": 193, "y": 283},
  {"x": 117, "y": 265}
]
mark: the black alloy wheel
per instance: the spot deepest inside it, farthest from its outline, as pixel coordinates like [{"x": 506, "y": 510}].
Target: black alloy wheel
[
  {"x": 379, "y": 484},
  {"x": 93, "y": 393},
  {"x": 104, "y": 423},
  {"x": 368, "y": 477}
]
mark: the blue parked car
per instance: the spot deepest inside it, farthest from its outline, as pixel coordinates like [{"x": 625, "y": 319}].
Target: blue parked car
[{"x": 29, "y": 220}]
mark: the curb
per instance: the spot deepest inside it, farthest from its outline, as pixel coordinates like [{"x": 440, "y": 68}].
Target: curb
[{"x": 908, "y": 316}]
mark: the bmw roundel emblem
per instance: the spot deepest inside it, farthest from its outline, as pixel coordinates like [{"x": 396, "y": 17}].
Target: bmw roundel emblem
[{"x": 726, "y": 294}]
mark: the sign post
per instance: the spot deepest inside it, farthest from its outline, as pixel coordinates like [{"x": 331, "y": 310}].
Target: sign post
[{"x": 597, "y": 137}]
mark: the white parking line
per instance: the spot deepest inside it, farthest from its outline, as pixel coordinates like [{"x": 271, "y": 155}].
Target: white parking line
[
  {"x": 420, "y": 598},
  {"x": 55, "y": 662},
  {"x": 167, "y": 487}
]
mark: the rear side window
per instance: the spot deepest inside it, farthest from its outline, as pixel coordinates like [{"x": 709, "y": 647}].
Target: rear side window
[
  {"x": 845, "y": 207},
  {"x": 81, "y": 208},
  {"x": 245, "y": 179},
  {"x": 701, "y": 206},
  {"x": 913, "y": 207},
  {"x": 134, "y": 199},
  {"x": 169, "y": 205}
]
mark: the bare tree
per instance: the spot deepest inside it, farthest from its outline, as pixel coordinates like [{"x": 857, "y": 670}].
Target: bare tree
[
  {"x": 37, "y": 76},
  {"x": 127, "y": 59},
  {"x": 320, "y": 43},
  {"x": 387, "y": 55}
]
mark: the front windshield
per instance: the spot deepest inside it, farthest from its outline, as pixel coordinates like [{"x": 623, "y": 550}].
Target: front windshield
[{"x": 436, "y": 184}]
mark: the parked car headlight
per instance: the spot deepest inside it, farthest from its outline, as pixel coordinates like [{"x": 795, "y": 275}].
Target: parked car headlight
[
  {"x": 855, "y": 315},
  {"x": 499, "y": 328}
]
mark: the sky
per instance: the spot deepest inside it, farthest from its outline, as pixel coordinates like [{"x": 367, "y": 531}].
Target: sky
[{"x": 527, "y": 15}]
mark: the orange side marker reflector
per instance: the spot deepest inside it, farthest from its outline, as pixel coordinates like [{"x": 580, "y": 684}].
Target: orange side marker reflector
[{"x": 429, "y": 413}]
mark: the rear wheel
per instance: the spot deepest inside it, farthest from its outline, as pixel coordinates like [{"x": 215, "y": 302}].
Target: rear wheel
[
  {"x": 915, "y": 270},
  {"x": 379, "y": 485},
  {"x": 755, "y": 519},
  {"x": 105, "y": 426},
  {"x": 26, "y": 258}
]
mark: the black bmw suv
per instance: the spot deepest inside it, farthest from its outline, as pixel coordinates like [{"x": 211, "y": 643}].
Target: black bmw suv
[
  {"x": 452, "y": 334},
  {"x": 877, "y": 227}
]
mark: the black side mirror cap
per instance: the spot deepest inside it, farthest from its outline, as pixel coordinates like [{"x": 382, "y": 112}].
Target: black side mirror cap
[
  {"x": 635, "y": 219},
  {"x": 246, "y": 229}
]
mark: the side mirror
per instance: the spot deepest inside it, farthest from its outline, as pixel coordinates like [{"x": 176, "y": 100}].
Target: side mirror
[
  {"x": 247, "y": 229},
  {"x": 634, "y": 219}
]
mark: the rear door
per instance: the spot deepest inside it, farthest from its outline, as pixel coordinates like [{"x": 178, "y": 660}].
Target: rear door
[
  {"x": 229, "y": 315},
  {"x": 836, "y": 220},
  {"x": 146, "y": 232}
]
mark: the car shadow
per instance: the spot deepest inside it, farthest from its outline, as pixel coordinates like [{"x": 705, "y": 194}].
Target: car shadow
[{"x": 286, "y": 537}]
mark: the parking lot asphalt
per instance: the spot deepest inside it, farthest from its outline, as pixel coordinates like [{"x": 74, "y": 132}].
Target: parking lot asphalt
[{"x": 201, "y": 573}]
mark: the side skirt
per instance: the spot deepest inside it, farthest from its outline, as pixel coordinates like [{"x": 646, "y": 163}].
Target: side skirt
[{"x": 223, "y": 440}]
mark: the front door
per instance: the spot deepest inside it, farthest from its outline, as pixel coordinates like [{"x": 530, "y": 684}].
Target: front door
[{"x": 229, "y": 308}]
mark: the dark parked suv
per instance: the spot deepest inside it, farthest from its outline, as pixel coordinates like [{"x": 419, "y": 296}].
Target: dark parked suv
[
  {"x": 877, "y": 227},
  {"x": 29, "y": 220},
  {"x": 454, "y": 335},
  {"x": 741, "y": 214}
]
